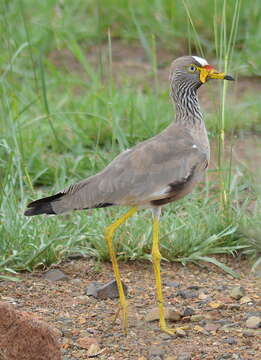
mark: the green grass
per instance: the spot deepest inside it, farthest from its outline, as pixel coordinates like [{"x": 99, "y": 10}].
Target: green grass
[
  {"x": 52, "y": 24},
  {"x": 63, "y": 122}
]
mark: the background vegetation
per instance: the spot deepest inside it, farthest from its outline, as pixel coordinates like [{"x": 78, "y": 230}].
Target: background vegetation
[{"x": 71, "y": 99}]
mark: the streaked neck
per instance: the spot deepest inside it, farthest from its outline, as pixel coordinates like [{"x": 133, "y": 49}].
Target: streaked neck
[{"x": 187, "y": 106}]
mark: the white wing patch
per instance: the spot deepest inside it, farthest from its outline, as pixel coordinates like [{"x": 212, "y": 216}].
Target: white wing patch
[
  {"x": 161, "y": 192},
  {"x": 200, "y": 60}
]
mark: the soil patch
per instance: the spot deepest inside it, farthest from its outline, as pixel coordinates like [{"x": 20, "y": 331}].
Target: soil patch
[{"x": 218, "y": 332}]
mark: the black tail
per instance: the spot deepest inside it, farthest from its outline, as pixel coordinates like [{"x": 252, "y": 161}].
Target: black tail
[{"x": 42, "y": 206}]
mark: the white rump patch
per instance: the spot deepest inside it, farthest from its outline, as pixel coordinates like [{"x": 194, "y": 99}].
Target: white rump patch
[
  {"x": 194, "y": 146},
  {"x": 200, "y": 60}
]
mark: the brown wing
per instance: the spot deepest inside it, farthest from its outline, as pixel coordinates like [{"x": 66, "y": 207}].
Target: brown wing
[{"x": 139, "y": 175}]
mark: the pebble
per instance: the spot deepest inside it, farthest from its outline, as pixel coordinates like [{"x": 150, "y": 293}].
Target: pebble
[
  {"x": 225, "y": 356},
  {"x": 197, "y": 317},
  {"x": 180, "y": 332},
  {"x": 248, "y": 333},
  {"x": 254, "y": 313},
  {"x": 216, "y": 305},
  {"x": 230, "y": 356},
  {"x": 170, "y": 314},
  {"x": 94, "y": 350},
  {"x": 55, "y": 275},
  {"x": 156, "y": 352},
  {"x": 253, "y": 322},
  {"x": 193, "y": 287},
  {"x": 188, "y": 312},
  {"x": 86, "y": 342},
  {"x": 202, "y": 322},
  {"x": 230, "y": 340},
  {"x": 245, "y": 300},
  {"x": 173, "y": 284},
  {"x": 224, "y": 322},
  {"x": 82, "y": 299},
  {"x": 184, "y": 356},
  {"x": 67, "y": 321},
  {"x": 233, "y": 306},
  {"x": 203, "y": 296},
  {"x": 187, "y": 294},
  {"x": 105, "y": 291},
  {"x": 237, "y": 292},
  {"x": 222, "y": 288},
  {"x": 91, "y": 289},
  {"x": 212, "y": 327}
]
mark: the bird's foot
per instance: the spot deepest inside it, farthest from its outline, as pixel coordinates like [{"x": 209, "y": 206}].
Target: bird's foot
[{"x": 172, "y": 331}]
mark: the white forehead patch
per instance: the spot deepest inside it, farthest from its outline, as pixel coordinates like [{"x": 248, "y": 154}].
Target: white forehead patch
[{"x": 200, "y": 60}]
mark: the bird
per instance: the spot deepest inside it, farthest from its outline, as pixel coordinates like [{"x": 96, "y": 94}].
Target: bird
[{"x": 153, "y": 173}]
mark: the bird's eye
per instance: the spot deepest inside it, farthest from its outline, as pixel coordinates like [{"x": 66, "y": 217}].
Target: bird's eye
[{"x": 192, "y": 68}]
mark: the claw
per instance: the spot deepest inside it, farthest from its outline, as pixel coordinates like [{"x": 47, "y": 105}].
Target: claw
[{"x": 172, "y": 331}]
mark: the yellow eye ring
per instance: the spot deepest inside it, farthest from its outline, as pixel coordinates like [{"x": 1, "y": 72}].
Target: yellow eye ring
[{"x": 192, "y": 68}]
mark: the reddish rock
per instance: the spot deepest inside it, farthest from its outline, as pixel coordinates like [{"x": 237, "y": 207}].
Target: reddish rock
[
  {"x": 24, "y": 337},
  {"x": 86, "y": 341}
]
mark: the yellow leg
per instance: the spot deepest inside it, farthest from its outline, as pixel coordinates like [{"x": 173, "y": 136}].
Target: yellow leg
[
  {"x": 156, "y": 257},
  {"x": 109, "y": 231}
]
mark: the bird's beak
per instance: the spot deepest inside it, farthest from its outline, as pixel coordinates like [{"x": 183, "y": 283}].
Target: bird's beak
[{"x": 208, "y": 72}]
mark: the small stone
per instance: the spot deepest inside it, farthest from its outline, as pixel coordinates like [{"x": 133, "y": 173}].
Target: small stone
[
  {"x": 187, "y": 294},
  {"x": 233, "y": 306},
  {"x": 230, "y": 340},
  {"x": 202, "y": 296},
  {"x": 254, "y": 313},
  {"x": 202, "y": 322},
  {"x": 248, "y": 333},
  {"x": 171, "y": 314},
  {"x": 55, "y": 275},
  {"x": 212, "y": 327},
  {"x": 85, "y": 342},
  {"x": 188, "y": 312},
  {"x": 222, "y": 288},
  {"x": 82, "y": 299},
  {"x": 224, "y": 322},
  {"x": 253, "y": 322},
  {"x": 105, "y": 291},
  {"x": 225, "y": 356},
  {"x": 237, "y": 357},
  {"x": 156, "y": 352},
  {"x": 216, "y": 305},
  {"x": 197, "y": 317},
  {"x": 91, "y": 289},
  {"x": 180, "y": 332},
  {"x": 184, "y": 356},
  {"x": 193, "y": 287},
  {"x": 237, "y": 292},
  {"x": 198, "y": 328},
  {"x": 67, "y": 332},
  {"x": 66, "y": 321},
  {"x": 173, "y": 284},
  {"x": 94, "y": 350},
  {"x": 245, "y": 300}
]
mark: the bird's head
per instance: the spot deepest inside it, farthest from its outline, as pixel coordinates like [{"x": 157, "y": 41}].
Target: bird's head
[{"x": 194, "y": 71}]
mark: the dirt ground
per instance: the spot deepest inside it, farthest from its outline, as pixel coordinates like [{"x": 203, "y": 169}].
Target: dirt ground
[{"x": 215, "y": 330}]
